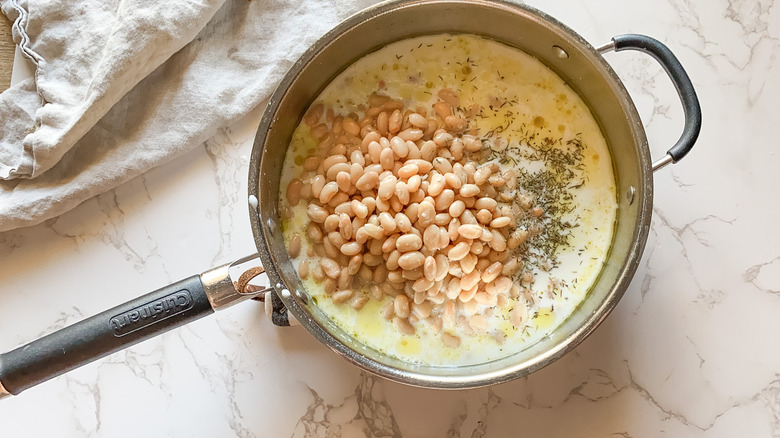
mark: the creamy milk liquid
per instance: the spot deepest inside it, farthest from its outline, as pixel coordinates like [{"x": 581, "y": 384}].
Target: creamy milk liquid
[{"x": 533, "y": 122}]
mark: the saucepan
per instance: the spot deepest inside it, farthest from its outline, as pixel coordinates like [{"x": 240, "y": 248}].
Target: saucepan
[{"x": 561, "y": 49}]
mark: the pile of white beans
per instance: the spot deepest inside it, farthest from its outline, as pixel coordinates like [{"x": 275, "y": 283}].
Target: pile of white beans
[{"x": 400, "y": 206}]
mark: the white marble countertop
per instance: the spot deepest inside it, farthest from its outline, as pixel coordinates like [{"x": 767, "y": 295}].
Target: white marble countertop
[{"x": 691, "y": 350}]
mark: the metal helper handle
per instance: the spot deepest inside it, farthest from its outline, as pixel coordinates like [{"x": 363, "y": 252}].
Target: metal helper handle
[
  {"x": 682, "y": 83},
  {"x": 122, "y": 326}
]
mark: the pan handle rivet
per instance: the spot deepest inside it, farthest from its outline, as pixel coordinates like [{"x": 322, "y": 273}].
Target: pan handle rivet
[
  {"x": 560, "y": 53},
  {"x": 630, "y": 193}
]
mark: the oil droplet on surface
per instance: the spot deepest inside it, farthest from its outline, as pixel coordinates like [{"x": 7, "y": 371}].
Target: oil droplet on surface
[{"x": 544, "y": 318}]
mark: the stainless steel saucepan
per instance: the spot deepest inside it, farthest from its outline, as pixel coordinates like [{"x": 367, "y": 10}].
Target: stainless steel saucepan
[{"x": 574, "y": 59}]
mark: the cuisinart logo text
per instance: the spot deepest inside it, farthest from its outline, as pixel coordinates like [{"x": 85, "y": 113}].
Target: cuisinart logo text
[{"x": 151, "y": 312}]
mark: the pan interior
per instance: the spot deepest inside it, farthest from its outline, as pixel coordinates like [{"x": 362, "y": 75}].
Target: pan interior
[{"x": 521, "y": 27}]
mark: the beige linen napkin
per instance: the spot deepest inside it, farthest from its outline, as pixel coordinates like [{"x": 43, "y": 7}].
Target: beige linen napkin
[{"x": 121, "y": 86}]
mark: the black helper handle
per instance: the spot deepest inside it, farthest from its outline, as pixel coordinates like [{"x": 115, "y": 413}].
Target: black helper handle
[
  {"x": 100, "y": 335},
  {"x": 681, "y": 81}
]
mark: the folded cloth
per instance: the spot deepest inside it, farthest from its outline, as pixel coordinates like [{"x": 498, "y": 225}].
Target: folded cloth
[{"x": 121, "y": 86}]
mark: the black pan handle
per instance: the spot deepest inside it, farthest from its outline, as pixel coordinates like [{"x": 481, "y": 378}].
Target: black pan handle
[
  {"x": 682, "y": 83},
  {"x": 124, "y": 325},
  {"x": 103, "y": 334}
]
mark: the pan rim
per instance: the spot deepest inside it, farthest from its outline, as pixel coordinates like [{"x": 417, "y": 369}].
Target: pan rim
[{"x": 465, "y": 379}]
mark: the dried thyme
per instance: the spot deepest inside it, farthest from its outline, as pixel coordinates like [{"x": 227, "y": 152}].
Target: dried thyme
[{"x": 556, "y": 168}]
